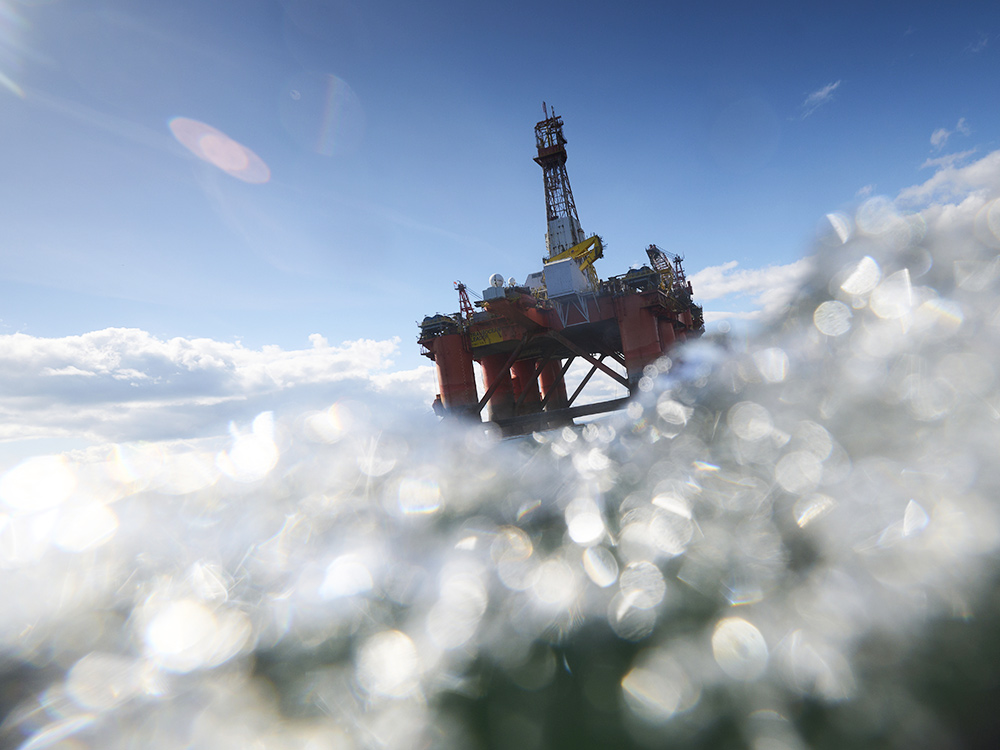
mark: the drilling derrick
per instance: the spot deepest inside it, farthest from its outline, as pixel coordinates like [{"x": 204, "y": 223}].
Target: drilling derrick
[
  {"x": 560, "y": 211},
  {"x": 527, "y": 336}
]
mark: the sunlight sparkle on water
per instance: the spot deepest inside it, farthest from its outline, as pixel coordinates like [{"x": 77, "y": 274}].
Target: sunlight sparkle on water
[
  {"x": 186, "y": 635},
  {"x": 455, "y": 616},
  {"x": 863, "y": 277},
  {"x": 643, "y": 585},
  {"x": 832, "y": 318},
  {"x": 38, "y": 484},
  {"x": 85, "y": 526},
  {"x": 554, "y": 584},
  {"x": 657, "y": 687},
  {"x": 346, "y": 576},
  {"x": 893, "y": 298},
  {"x": 600, "y": 565},
  {"x": 102, "y": 681},
  {"x": 739, "y": 648},
  {"x": 253, "y": 455},
  {"x": 583, "y": 521},
  {"x": 772, "y": 363},
  {"x": 419, "y": 496},
  {"x": 842, "y": 225},
  {"x": 326, "y": 579},
  {"x": 750, "y": 421},
  {"x": 388, "y": 665}
]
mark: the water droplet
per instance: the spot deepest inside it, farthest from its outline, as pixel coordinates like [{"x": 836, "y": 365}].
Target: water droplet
[
  {"x": 798, "y": 471},
  {"x": 812, "y": 507},
  {"x": 772, "y": 364},
  {"x": 750, "y": 421},
  {"x": 101, "y": 681},
  {"x": 345, "y": 576},
  {"x": 832, "y": 318},
  {"x": 600, "y": 565},
  {"x": 915, "y": 519},
  {"x": 643, "y": 585},
  {"x": 863, "y": 277},
  {"x": 584, "y": 522},
  {"x": 893, "y": 298},
  {"x": 739, "y": 649},
  {"x": 554, "y": 583}
]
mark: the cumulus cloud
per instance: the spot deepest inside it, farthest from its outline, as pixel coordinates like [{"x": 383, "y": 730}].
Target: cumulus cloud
[
  {"x": 953, "y": 184},
  {"x": 122, "y": 384},
  {"x": 940, "y": 136},
  {"x": 818, "y": 98},
  {"x": 769, "y": 288},
  {"x": 957, "y": 199}
]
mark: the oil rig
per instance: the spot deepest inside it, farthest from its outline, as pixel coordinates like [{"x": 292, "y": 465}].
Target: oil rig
[{"x": 526, "y": 336}]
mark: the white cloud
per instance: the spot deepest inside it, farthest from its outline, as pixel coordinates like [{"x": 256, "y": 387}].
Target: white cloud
[
  {"x": 717, "y": 315},
  {"x": 940, "y": 136},
  {"x": 818, "y": 98},
  {"x": 769, "y": 288},
  {"x": 951, "y": 184},
  {"x": 948, "y": 160},
  {"x": 122, "y": 384}
]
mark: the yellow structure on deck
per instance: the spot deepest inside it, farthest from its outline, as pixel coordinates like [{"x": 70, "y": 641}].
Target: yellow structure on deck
[{"x": 585, "y": 253}]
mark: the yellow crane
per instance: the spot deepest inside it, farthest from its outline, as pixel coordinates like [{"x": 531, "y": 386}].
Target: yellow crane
[{"x": 584, "y": 253}]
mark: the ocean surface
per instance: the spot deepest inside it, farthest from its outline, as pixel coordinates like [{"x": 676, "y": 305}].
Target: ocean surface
[{"x": 787, "y": 541}]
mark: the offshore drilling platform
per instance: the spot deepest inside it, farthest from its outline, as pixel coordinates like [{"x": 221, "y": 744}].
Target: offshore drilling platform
[{"x": 526, "y": 336}]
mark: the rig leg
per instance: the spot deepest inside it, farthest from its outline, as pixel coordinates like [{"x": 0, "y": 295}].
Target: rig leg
[
  {"x": 665, "y": 327},
  {"x": 494, "y": 371},
  {"x": 526, "y": 386},
  {"x": 456, "y": 376},
  {"x": 551, "y": 383},
  {"x": 640, "y": 338}
]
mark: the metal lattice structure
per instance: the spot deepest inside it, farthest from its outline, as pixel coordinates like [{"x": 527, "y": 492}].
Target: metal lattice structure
[{"x": 560, "y": 209}]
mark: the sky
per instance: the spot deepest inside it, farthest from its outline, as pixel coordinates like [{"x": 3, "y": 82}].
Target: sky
[{"x": 214, "y": 208}]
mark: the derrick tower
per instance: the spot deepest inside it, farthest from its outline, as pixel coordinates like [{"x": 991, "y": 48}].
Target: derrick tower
[
  {"x": 563, "y": 222},
  {"x": 525, "y": 337}
]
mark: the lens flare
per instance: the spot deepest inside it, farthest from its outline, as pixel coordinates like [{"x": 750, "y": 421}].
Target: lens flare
[
  {"x": 219, "y": 150},
  {"x": 322, "y": 113}
]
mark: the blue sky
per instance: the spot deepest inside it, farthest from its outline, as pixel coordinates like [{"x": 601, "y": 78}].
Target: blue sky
[{"x": 398, "y": 137}]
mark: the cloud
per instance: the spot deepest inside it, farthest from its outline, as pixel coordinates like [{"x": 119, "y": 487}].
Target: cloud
[
  {"x": 121, "y": 384},
  {"x": 769, "y": 288},
  {"x": 952, "y": 184},
  {"x": 717, "y": 315},
  {"x": 948, "y": 160},
  {"x": 956, "y": 199},
  {"x": 940, "y": 136},
  {"x": 978, "y": 45},
  {"x": 818, "y": 98}
]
